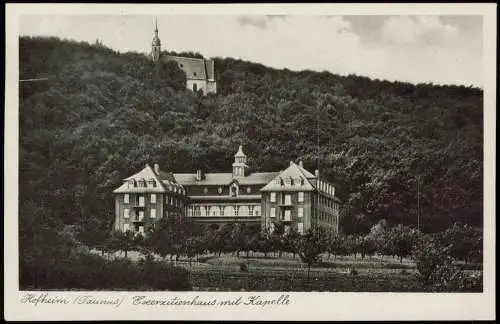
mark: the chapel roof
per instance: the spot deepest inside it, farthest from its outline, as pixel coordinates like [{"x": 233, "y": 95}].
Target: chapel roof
[{"x": 195, "y": 68}]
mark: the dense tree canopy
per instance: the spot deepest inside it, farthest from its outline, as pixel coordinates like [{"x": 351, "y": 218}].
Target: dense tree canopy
[{"x": 102, "y": 115}]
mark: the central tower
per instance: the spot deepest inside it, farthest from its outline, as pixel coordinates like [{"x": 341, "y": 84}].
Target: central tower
[
  {"x": 156, "y": 45},
  {"x": 240, "y": 166}
]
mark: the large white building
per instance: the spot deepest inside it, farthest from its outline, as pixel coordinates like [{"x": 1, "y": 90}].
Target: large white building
[{"x": 293, "y": 197}]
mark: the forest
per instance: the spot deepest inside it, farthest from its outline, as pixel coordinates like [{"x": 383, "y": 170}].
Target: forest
[{"x": 397, "y": 151}]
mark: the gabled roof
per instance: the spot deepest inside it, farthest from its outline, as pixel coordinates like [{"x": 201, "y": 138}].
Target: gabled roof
[
  {"x": 213, "y": 179},
  {"x": 145, "y": 174},
  {"x": 195, "y": 68},
  {"x": 300, "y": 178}
]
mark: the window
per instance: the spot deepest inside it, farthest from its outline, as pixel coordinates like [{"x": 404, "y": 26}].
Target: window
[
  {"x": 126, "y": 227},
  {"x": 234, "y": 190},
  {"x": 301, "y": 181},
  {"x": 273, "y": 212},
  {"x": 153, "y": 212},
  {"x": 277, "y": 181},
  {"x": 236, "y": 210},
  {"x": 152, "y": 183},
  {"x": 142, "y": 183},
  {"x": 141, "y": 215},
  {"x": 249, "y": 190},
  {"x": 194, "y": 73},
  {"x": 273, "y": 197},
  {"x": 195, "y": 87},
  {"x": 271, "y": 227},
  {"x": 244, "y": 211},
  {"x": 126, "y": 213},
  {"x": 153, "y": 198},
  {"x": 229, "y": 211},
  {"x": 288, "y": 199},
  {"x": 301, "y": 196},
  {"x": 219, "y": 190},
  {"x": 126, "y": 198},
  {"x": 131, "y": 183},
  {"x": 300, "y": 228},
  {"x": 141, "y": 201},
  {"x": 300, "y": 212},
  {"x": 256, "y": 211},
  {"x": 214, "y": 211},
  {"x": 141, "y": 230},
  {"x": 196, "y": 211},
  {"x": 172, "y": 201},
  {"x": 288, "y": 215}
]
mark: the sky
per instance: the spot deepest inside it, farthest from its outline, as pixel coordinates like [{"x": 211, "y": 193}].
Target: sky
[{"x": 416, "y": 49}]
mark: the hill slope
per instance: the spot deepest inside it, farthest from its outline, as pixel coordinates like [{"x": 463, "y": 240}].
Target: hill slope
[{"x": 103, "y": 115}]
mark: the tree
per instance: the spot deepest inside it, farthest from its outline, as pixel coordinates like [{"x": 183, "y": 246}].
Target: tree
[
  {"x": 277, "y": 241},
  {"x": 403, "y": 239},
  {"x": 463, "y": 241},
  {"x": 311, "y": 245},
  {"x": 291, "y": 241},
  {"x": 123, "y": 241},
  {"x": 238, "y": 238}
]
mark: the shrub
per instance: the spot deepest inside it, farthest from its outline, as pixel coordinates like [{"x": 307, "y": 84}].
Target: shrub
[{"x": 91, "y": 272}]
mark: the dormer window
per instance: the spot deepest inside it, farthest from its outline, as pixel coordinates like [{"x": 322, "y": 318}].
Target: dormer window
[
  {"x": 152, "y": 183},
  {"x": 142, "y": 183},
  {"x": 234, "y": 190},
  {"x": 131, "y": 183},
  {"x": 194, "y": 73},
  {"x": 282, "y": 182},
  {"x": 301, "y": 181}
]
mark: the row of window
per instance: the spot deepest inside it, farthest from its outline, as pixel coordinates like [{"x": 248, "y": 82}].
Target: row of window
[
  {"x": 300, "y": 228},
  {"x": 141, "y": 200},
  {"x": 139, "y": 216},
  {"x": 230, "y": 211},
  {"x": 326, "y": 187},
  {"x": 325, "y": 201},
  {"x": 287, "y": 198},
  {"x": 142, "y": 183},
  {"x": 126, "y": 228},
  {"x": 289, "y": 181},
  {"x": 234, "y": 190},
  {"x": 152, "y": 184},
  {"x": 287, "y": 214}
]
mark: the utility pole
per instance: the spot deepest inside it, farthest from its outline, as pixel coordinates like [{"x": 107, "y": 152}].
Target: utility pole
[
  {"x": 418, "y": 202},
  {"x": 317, "y": 148}
]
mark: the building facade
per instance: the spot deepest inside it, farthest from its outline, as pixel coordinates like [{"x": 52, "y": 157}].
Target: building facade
[
  {"x": 294, "y": 197},
  {"x": 200, "y": 72}
]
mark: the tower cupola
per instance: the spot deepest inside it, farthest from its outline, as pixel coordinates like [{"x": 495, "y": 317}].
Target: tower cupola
[{"x": 240, "y": 166}]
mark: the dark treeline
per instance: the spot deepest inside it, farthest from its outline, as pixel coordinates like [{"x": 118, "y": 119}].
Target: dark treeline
[{"x": 102, "y": 115}]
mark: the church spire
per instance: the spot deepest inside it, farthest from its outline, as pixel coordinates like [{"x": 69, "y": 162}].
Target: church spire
[{"x": 156, "y": 45}]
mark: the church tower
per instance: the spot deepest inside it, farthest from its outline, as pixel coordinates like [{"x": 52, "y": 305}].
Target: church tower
[
  {"x": 240, "y": 166},
  {"x": 156, "y": 46}
]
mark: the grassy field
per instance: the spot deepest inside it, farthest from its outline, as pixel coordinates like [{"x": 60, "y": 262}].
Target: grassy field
[{"x": 285, "y": 273}]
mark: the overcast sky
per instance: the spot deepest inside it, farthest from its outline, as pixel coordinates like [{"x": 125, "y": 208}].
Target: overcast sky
[{"x": 437, "y": 49}]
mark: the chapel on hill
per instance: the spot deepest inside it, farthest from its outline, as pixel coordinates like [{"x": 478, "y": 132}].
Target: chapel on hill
[{"x": 200, "y": 72}]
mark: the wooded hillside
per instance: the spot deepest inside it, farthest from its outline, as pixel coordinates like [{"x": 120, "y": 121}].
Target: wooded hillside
[{"x": 102, "y": 115}]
